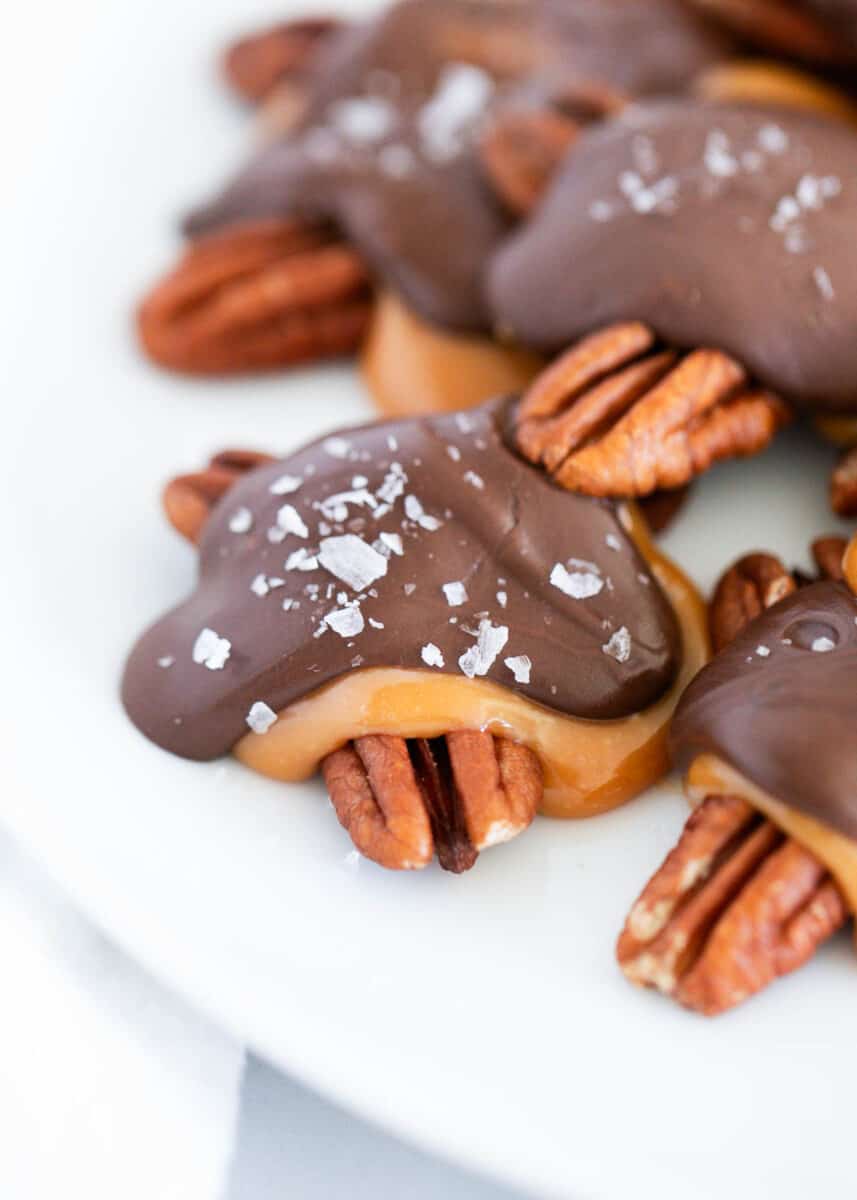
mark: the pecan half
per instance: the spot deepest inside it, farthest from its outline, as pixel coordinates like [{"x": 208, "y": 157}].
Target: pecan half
[
  {"x": 617, "y": 416},
  {"x": 754, "y": 583},
  {"x": 736, "y": 903},
  {"x": 401, "y": 801},
  {"x": 521, "y": 148},
  {"x": 254, "y": 65},
  {"x": 843, "y": 485},
  {"x": 734, "y": 906},
  {"x": 189, "y": 499},
  {"x": 257, "y": 296}
]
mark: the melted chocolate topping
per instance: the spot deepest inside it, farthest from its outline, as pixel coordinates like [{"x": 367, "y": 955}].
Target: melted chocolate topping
[
  {"x": 645, "y": 47},
  {"x": 840, "y": 16},
  {"x": 386, "y": 150},
  {"x": 718, "y": 226},
  {"x": 778, "y": 705},
  {"x": 422, "y": 544}
]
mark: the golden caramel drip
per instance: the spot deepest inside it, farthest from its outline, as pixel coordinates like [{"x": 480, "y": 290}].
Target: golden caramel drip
[
  {"x": 754, "y": 82},
  {"x": 589, "y": 766},
  {"x": 711, "y": 776},
  {"x": 411, "y": 367}
]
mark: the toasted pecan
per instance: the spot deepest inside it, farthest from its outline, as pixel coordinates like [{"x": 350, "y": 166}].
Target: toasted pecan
[
  {"x": 403, "y": 800},
  {"x": 189, "y": 499},
  {"x": 255, "y": 64},
  {"x": 257, "y": 296},
  {"x": 615, "y": 416},
  {"x": 734, "y": 906},
  {"x": 736, "y": 903},
  {"x": 751, "y": 585}
]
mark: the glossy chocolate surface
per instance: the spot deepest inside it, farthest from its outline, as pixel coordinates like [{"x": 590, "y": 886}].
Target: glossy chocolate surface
[
  {"x": 778, "y": 705},
  {"x": 719, "y": 226},
  {"x": 642, "y": 47},
  {"x": 386, "y": 149},
  {"x": 424, "y": 544}
]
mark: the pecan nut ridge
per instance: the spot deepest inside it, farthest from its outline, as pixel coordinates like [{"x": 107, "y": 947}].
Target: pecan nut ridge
[
  {"x": 734, "y": 906},
  {"x": 255, "y": 297},
  {"x": 616, "y": 416},
  {"x": 402, "y": 801},
  {"x": 736, "y": 903}
]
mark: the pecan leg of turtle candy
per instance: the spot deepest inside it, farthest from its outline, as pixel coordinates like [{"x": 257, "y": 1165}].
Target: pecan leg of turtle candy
[
  {"x": 617, "y": 415},
  {"x": 401, "y": 800},
  {"x": 256, "y": 296},
  {"x": 256, "y": 64},
  {"x": 736, "y": 903},
  {"x": 522, "y": 146}
]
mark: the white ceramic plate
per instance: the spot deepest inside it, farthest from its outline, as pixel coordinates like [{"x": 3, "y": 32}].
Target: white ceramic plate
[{"x": 482, "y": 1017}]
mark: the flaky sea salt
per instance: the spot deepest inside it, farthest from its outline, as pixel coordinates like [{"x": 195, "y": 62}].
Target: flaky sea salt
[
  {"x": 431, "y": 655},
  {"x": 301, "y": 560},
  {"x": 336, "y": 447},
  {"x": 619, "y": 645},
  {"x": 241, "y": 521},
  {"x": 455, "y": 592},
  {"x": 612, "y": 541},
  {"x": 823, "y": 645},
  {"x": 352, "y": 560},
  {"x": 347, "y": 622},
  {"x": 285, "y": 485},
  {"x": 474, "y": 480},
  {"x": 392, "y": 541},
  {"x": 763, "y": 651},
  {"x": 259, "y": 586},
  {"x": 211, "y": 650},
  {"x": 414, "y": 511},
  {"x": 520, "y": 666},
  {"x": 579, "y": 584},
  {"x": 166, "y": 661},
  {"x": 290, "y": 521},
  {"x": 490, "y": 640},
  {"x": 824, "y": 284},
  {"x": 260, "y": 718}
]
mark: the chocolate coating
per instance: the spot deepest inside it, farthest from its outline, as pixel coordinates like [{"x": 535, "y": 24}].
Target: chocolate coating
[
  {"x": 391, "y": 513},
  {"x": 385, "y": 150},
  {"x": 645, "y": 47},
  {"x": 719, "y": 226},
  {"x": 786, "y": 718},
  {"x": 839, "y": 16}
]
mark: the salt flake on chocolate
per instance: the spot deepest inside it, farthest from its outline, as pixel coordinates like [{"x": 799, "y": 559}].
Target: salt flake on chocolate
[
  {"x": 619, "y": 645},
  {"x": 392, "y": 541},
  {"x": 241, "y": 521},
  {"x": 431, "y": 655},
  {"x": 260, "y": 718},
  {"x": 347, "y": 622},
  {"x": 579, "y": 584},
  {"x": 352, "y": 560},
  {"x": 490, "y": 640},
  {"x": 456, "y": 593},
  {"x": 823, "y": 645},
  {"x": 211, "y": 650},
  {"x": 520, "y": 666},
  {"x": 285, "y": 485},
  {"x": 290, "y": 521}
]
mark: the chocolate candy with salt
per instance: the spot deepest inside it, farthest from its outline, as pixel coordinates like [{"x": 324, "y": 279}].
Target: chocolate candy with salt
[
  {"x": 719, "y": 226},
  {"x": 425, "y": 544}
]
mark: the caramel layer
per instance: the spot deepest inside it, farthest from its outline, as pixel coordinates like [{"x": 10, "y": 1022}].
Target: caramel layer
[
  {"x": 589, "y": 766},
  {"x": 411, "y": 367},
  {"x": 754, "y": 82},
  {"x": 709, "y": 775}
]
